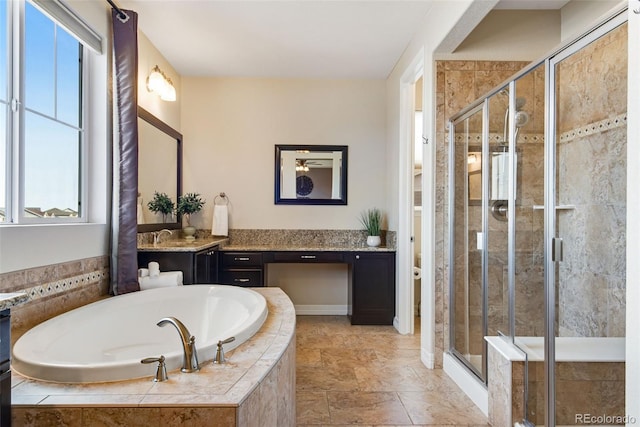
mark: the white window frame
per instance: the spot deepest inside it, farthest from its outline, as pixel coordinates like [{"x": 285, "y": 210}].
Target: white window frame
[{"x": 15, "y": 209}]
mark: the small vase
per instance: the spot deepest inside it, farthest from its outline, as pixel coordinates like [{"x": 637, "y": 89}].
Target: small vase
[
  {"x": 373, "y": 241},
  {"x": 189, "y": 232}
]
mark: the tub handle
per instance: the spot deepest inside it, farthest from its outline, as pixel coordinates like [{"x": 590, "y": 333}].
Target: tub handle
[
  {"x": 161, "y": 372},
  {"x": 220, "y": 359},
  {"x": 227, "y": 341}
]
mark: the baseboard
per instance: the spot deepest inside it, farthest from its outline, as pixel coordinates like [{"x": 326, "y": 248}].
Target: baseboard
[
  {"x": 467, "y": 382},
  {"x": 428, "y": 358},
  {"x": 321, "y": 310}
]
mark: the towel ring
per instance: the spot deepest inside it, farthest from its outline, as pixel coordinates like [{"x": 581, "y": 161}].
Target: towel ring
[{"x": 222, "y": 196}]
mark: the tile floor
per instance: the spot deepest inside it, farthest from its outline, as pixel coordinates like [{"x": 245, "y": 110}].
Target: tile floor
[{"x": 371, "y": 376}]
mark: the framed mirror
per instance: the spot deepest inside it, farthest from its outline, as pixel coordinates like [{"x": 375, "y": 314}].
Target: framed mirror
[
  {"x": 159, "y": 170},
  {"x": 311, "y": 174}
]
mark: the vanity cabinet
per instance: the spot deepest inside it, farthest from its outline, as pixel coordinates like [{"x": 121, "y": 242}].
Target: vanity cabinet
[
  {"x": 372, "y": 293},
  {"x": 206, "y": 263},
  {"x": 196, "y": 267},
  {"x": 241, "y": 269},
  {"x": 372, "y": 274}
]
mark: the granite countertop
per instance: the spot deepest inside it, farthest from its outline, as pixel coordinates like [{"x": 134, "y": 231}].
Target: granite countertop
[
  {"x": 310, "y": 248},
  {"x": 12, "y": 299},
  {"x": 182, "y": 245}
]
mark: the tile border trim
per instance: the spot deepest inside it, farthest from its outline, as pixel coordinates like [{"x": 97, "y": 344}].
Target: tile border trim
[{"x": 63, "y": 285}]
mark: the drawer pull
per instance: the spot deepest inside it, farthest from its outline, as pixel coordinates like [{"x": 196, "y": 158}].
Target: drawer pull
[
  {"x": 242, "y": 280},
  {"x": 308, "y": 256},
  {"x": 241, "y": 258}
]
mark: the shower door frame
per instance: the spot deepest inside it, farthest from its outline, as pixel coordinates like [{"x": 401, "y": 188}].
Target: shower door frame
[
  {"x": 615, "y": 20},
  {"x": 484, "y": 107}
]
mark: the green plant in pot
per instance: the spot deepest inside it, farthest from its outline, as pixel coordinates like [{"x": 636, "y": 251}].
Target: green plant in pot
[
  {"x": 371, "y": 220},
  {"x": 162, "y": 204},
  {"x": 188, "y": 204}
]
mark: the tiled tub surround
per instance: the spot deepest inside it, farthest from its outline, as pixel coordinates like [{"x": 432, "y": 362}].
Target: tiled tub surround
[
  {"x": 255, "y": 387},
  {"x": 55, "y": 289},
  {"x": 587, "y": 382}
]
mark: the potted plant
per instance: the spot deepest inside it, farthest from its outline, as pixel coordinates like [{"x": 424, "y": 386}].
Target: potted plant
[
  {"x": 188, "y": 204},
  {"x": 161, "y": 203},
  {"x": 371, "y": 220}
]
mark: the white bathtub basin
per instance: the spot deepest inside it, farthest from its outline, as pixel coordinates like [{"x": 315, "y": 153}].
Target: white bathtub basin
[{"x": 106, "y": 340}]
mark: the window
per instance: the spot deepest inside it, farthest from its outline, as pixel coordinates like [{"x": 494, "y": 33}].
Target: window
[{"x": 41, "y": 102}]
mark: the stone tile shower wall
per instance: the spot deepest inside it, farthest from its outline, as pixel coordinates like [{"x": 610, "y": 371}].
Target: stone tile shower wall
[
  {"x": 592, "y": 176},
  {"x": 55, "y": 289},
  {"x": 458, "y": 83}
]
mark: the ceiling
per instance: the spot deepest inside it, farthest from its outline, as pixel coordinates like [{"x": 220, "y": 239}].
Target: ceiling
[{"x": 288, "y": 39}]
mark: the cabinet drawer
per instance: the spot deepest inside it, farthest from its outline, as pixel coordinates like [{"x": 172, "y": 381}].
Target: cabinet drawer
[
  {"x": 295, "y": 256},
  {"x": 237, "y": 259},
  {"x": 242, "y": 277}
]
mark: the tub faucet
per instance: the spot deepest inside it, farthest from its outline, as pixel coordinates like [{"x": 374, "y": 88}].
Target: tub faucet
[
  {"x": 190, "y": 355},
  {"x": 158, "y": 234}
]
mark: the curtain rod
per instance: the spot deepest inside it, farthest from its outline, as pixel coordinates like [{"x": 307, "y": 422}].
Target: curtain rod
[{"x": 121, "y": 15}]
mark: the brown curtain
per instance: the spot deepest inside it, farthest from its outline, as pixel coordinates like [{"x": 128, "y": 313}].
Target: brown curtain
[{"x": 124, "y": 263}]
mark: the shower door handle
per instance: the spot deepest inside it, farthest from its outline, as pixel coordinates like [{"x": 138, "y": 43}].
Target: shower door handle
[{"x": 556, "y": 249}]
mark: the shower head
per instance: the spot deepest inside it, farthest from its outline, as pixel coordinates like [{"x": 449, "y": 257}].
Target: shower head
[
  {"x": 520, "y": 101},
  {"x": 522, "y": 118}
]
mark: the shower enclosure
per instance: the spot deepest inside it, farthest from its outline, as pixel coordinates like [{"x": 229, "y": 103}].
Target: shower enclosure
[{"x": 537, "y": 225}]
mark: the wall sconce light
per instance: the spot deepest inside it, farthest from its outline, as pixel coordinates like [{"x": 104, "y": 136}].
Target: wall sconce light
[
  {"x": 159, "y": 83},
  {"x": 471, "y": 158}
]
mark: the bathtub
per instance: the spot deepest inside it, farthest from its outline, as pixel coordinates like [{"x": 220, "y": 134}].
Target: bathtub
[{"x": 105, "y": 341}]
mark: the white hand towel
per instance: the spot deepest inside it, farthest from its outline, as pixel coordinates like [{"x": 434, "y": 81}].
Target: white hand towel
[
  {"x": 220, "y": 225},
  {"x": 140, "y": 212},
  {"x": 166, "y": 279}
]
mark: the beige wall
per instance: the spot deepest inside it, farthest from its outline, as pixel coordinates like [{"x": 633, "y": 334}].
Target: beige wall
[
  {"x": 231, "y": 127},
  {"x": 579, "y": 15},
  {"x": 148, "y": 57},
  {"x": 512, "y": 35}
]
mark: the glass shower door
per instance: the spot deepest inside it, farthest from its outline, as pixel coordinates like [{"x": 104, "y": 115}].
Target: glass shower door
[
  {"x": 468, "y": 325},
  {"x": 467, "y": 314},
  {"x": 586, "y": 217}
]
